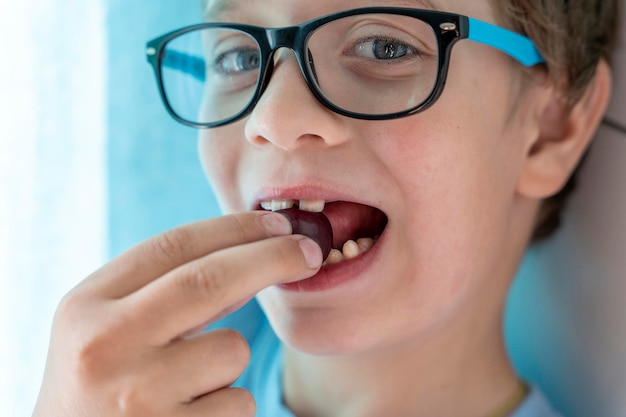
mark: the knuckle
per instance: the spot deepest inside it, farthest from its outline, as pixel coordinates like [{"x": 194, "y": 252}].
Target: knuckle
[
  {"x": 169, "y": 247},
  {"x": 95, "y": 357},
  {"x": 71, "y": 318},
  {"x": 100, "y": 351},
  {"x": 132, "y": 399},
  {"x": 69, "y": 306},
  {"x": 238, "y": 226},
  {"x": 89, "y": 349},
  {"x": 203, "y": 280}
]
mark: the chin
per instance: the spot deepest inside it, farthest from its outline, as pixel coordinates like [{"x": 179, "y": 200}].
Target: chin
[{"x": 320, "y": 332}]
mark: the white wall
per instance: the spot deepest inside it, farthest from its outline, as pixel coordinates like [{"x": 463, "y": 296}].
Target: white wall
[{"x": 52, "y": 176}]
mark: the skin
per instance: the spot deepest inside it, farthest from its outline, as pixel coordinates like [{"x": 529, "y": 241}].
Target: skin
[{"x": 460, "y": 184}]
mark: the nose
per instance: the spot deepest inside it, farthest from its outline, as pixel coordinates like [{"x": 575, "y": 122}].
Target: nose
[{"x": 289, "y": 116}]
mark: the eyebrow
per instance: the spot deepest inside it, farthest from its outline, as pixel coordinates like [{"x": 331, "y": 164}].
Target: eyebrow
[
  {"x": 428, "y": 4},
  {"x": 211, "y": 7},
  {"x": 218, "y": 7},
  {"x": 431, "y": 4}
]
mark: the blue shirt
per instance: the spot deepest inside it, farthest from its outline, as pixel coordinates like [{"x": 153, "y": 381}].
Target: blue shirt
[{"x": 263, "y": 376}]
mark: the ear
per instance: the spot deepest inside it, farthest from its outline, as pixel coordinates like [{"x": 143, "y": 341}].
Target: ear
[{"x": 564, "y": 134}]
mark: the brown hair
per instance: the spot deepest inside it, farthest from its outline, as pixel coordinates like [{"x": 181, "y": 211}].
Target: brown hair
[{"x": 573, "y": 36}]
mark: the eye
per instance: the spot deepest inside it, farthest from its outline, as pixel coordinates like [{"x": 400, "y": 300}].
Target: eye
[
  {"x": 383, "y": 49},
  {"x": 237, "y": 61}
]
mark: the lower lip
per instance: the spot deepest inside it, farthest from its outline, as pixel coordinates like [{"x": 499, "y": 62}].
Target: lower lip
[{"x": 333, "y": 276}]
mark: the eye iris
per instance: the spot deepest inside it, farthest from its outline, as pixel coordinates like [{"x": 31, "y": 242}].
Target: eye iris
[
  {"x": 239, "y": 61},
  {"x": 388, "y": 49},
  {"x": 248, "y": 61}
]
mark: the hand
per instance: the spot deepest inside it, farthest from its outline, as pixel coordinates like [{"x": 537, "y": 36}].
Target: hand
[{"x": 125, "y": 341}]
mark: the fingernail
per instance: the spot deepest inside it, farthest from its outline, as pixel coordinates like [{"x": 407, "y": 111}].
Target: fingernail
[
  {"x": 276, "y": 224},
  {"x": 312, "y": 253}
]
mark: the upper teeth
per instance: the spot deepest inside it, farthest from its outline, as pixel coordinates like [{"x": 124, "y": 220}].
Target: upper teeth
[{"x": 316, "y": 206}]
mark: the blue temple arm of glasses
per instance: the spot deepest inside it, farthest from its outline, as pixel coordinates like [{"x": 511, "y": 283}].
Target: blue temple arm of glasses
[
  {"x": 185, "y": 63},
  {"x": 515, "y": 45}
]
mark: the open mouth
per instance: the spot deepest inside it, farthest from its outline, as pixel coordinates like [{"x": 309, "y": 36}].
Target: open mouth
[{"x": 356, "y": 227}]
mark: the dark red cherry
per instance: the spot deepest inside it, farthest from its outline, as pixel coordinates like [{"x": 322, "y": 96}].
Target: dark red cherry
[{"x": 314, "y": 225}]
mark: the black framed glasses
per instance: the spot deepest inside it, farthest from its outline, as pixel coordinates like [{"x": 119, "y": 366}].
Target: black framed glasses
[{"x": 372, "y": 63}]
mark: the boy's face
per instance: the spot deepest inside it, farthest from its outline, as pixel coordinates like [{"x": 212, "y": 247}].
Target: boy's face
[{"x": 445, "y": 179}]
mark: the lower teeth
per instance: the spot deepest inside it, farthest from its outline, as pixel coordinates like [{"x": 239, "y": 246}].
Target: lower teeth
[{"x": 351, "y": 250}]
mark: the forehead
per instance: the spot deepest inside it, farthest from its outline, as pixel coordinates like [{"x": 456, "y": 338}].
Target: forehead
[
  {"x": 302, "y": 10},
  {"x": 216, "y": 7}
]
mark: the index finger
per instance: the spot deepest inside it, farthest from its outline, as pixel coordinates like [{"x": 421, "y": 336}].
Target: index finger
[
  {"x": 198, "y": 292},
  {"x": 162, "y": 253}
]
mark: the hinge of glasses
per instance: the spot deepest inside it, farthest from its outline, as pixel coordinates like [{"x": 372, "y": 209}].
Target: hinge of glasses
[
  {"x": 448, "y": 26},
  {"x": 151, "y": 51}
]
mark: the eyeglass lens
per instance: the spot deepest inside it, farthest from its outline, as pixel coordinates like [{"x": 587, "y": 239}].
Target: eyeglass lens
[{"x": 371, "y": 64}]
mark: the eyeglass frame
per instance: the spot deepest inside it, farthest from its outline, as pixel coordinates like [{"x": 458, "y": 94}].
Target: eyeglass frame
[{"x": 449, "y": 28}]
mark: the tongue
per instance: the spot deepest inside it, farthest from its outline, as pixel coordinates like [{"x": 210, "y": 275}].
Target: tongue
[{"x": 352, "y": 221}]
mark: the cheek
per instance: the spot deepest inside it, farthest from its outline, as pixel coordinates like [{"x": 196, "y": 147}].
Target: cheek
[
  {"x": 462, "y": 161},
  {"x": 219, "y": 154},
  {"x": 457, "y": 182}
]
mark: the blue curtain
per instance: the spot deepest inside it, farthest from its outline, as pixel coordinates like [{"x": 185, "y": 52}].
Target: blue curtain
[{"x": 155, "y": 177}]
